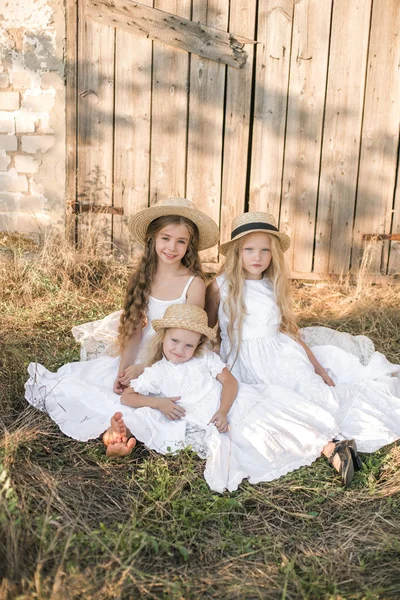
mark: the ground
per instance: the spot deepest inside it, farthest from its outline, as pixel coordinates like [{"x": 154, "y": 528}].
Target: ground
[{"x": 74, "y": 524}]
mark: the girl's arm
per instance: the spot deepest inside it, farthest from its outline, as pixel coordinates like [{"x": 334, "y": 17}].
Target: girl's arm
[
  {"x": 196, "y": 292},
  {"x": 318, "y": 368},
  {"x": 228, "y": 395},
  {"x": 167, "y": 406},
  {"x": 212, "y": 303},
  {"x": 127, "y": 370}
]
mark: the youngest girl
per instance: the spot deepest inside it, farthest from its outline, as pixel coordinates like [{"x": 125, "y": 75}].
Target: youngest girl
[{"x": 188, "y": 396}]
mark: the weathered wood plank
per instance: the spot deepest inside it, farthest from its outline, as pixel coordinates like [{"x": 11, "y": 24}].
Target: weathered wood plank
[
  {"x": 394, "y": 258},
  {"x": 171, "y": 29},
  {"x": 308, "y": 72},
  {"x": 71, "y": 70},
  {"x": 237, "y": 119},
  {"x": 169, "y": 114},
  {"x": 206, "y": 112},
  {"x": 95, "y": 126},
  {"x": 341, "y": 136},
  {"x": 275, "y": 19},
  {"x": 133, "y": 66},
  {"x": 380, "y": 133}
]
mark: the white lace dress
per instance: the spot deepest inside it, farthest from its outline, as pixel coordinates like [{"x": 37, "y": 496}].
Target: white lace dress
[
  {"x": 270, "y": 432},
  {"x": 366, "y": 399},
  {"x": 79, "y": 395}
]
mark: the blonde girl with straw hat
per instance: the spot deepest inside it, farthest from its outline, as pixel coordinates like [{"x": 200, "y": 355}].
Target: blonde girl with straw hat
[
  {"x": 172, "y": 232},
  {"x": 261, "y": 341},
  {"x": 187, "y": 396}
]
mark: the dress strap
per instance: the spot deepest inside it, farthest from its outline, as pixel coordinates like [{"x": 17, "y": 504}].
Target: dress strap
[{"x": 185, "y": 289}]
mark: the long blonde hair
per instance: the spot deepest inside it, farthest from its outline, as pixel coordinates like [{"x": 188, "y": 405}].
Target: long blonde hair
[
  {"x": 154, "y": 348},
  {"x": 276, "y": 272},
  {"x": 134, "y": 312}
]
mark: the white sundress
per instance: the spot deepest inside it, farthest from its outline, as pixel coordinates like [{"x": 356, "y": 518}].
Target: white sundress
[
  {"x": 269, "y": 435},
  {"x": 366, "y": 399},
  {"x": 79, "y": 397}
]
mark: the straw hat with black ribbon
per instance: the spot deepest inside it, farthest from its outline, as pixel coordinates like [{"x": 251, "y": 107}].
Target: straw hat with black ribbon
[
  {"x": 208, "y": 229},
  {"x": 185, "y": 316},
  {"x": 252, "y": 222}
]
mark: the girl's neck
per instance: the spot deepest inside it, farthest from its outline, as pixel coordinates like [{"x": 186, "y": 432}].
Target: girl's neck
[
  {"x": 169, "y": 270},
  {"x": 250, "y": 277}
]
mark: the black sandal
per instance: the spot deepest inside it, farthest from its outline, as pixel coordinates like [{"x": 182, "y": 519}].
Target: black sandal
[
  {"x": 354, "y": 454},
  {"x": 346, "y": 469}
]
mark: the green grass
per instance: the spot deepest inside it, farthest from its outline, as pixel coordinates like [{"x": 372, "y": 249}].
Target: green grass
[{"x": 75, "y": 525}]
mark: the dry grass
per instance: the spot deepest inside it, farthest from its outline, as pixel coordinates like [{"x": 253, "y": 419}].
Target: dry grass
[{"x": 74, "y": 525}]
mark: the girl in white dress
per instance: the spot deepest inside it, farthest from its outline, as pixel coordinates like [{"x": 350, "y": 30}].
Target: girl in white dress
[
  {"x": 188, "y": 396},
  {"x": 261, "y": 342},
  {"x": 169, "y": 272}
]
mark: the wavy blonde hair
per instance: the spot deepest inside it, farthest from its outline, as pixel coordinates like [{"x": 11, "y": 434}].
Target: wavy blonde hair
[
  {"x": 154, "y": 348},
  {"x": 134, "y": 311},
  {"x": 278, "y": 274}
]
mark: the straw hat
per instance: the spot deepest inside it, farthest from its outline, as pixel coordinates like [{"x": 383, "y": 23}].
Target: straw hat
[
  {"x": 251, "y": 222},
  {"x": 185, "y": 316},
  {"x": 208, "y": 229}
]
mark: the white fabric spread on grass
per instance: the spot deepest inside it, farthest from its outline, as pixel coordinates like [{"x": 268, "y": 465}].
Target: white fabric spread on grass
[{"x": 367, "y": 388}]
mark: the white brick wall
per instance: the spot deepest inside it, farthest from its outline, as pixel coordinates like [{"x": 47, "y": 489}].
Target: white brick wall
[{"x": 32, "y": 115}]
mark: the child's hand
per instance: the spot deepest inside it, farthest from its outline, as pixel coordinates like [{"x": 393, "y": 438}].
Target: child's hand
[
  {"x": 170, "y": 409},
  {"x": 118, "y": 387},
  {"x": 131, "y": 372},
  {"x": 220, "y": 420},
  {"x": 322, "y": 373}
]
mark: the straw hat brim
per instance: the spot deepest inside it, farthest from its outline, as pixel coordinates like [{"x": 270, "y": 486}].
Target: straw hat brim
[
  {"x": 182, "y": 323},
  {"x": 284, "y": 239},
  {"x": 208, "y": 229}
]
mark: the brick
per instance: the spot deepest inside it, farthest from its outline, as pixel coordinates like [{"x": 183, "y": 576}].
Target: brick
[
  {"x": 37, "y": 143},
  {"x": 9, "y": 100},
  {"x": 9, "y": 202},
  {"x": 21, "y": 80},
  {"x": 25, "y": 121},
  {"x": 6, "y": 123},
  {"x": 8, "y": 142},
  {"x": 45, "y": 125},
  {"x": 26, "y": 164},
  {"x": 4, "y": 80},
  {"x": 42, "y": 102},
  {"x": 51, "y": 79},
  {"x": 4, "y": 160},
  {"x": 24, "y": 223},
  {"x": 36, "y": 187},
  {"x": 10, "y": 181},
  {"x": 31, "y": 204}
]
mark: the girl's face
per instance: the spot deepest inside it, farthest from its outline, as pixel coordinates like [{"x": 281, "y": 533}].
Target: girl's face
[
  {"x": 256, "y": 254},
  {"x": 179, "y": 345},
  {"x": 172, "y": 242}
]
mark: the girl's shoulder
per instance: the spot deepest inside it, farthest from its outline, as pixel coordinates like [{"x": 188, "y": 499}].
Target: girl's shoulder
[
  {"x": 220, "y": 279},
  {"x": 212, "y": 362}
]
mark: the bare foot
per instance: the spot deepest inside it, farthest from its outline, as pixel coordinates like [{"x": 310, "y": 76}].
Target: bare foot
[
  {"x": 122, "y": 448},
  {"x": 117, "y": 431}
]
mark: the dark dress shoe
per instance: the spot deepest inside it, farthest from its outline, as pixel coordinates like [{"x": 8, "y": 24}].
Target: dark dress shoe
[
  {"x": 346, "y": 468},
  {"x": 356, "y": 459}
]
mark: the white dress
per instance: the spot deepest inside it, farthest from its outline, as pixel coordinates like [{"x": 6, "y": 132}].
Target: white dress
[
  {"x": 78, "y": 395},
  {"x": 269, "y": 434},
  {"x": 366, "y": 397}
]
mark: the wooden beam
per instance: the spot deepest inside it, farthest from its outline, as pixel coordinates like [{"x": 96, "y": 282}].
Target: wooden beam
[
  {"x": 71, "y": 68},
  {"x": 381, "y": 237},
  {"x": 170, "y": 29},
  {"x": 98, "y": 208}
]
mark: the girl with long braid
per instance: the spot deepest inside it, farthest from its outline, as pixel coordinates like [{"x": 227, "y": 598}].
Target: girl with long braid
[{"x": 82, "y": 396}]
